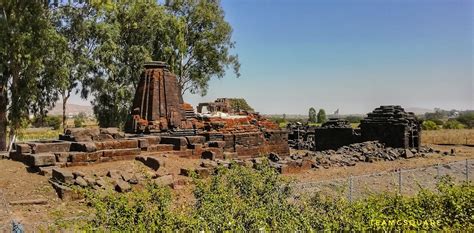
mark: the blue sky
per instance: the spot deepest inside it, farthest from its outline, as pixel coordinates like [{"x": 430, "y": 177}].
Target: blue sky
[{"x": 349, "y": 54}]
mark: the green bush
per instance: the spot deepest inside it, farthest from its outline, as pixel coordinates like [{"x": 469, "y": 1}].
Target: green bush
[
  {"x": 453, "y": 124},
  {"x": 79, "y": 120},
  {"x": 429, "y": 125},
  {"x": 243, "y": 199},
  {"x": 467, "y": 119},
  {"x": 354, "y": 119}
]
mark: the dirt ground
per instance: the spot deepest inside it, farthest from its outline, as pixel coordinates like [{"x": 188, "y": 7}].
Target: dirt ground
[{"x": 17, "y": 183}]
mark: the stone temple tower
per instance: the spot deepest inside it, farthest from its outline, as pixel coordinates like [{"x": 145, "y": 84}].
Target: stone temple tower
[{"x": 158, "y": 103}]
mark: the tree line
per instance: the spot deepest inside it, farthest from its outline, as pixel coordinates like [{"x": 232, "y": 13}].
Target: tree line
[{"x": 50, "y": 50}]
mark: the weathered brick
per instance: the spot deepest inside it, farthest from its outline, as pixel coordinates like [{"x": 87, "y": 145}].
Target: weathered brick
[
  {"x": 23, "y": 148},
  {"x": 208, "y": 155},
  {"x": 65, "y": 193},
  {"x": 84, "y": 146},
  {"x": 177, "y": 142},
  {"x": 39, "y": 160},
  {"x": 196, "y": 139},
  {"x": 143, "y": 143},
  {"x": 63, "y": 176},
  {"x": 50, "y": 147},
  {"x": 121, "y": 152},
  {"x": 78, "y": 157},
  {"x": 160, "y": 148},
  {"x": 62, "y": 157}
]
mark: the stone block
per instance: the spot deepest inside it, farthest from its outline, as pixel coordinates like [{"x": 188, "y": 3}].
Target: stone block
[
  {"x": 121, "y": 152},
  {"x": 46, "y": 171},
  {"x": 62, "y": 157},
  {"x": 65, "y": 193},
  {"x": 78, "y": 157},
  {"x": 84, "y": 146},
  {"x": 196, "y": 139},
  {"x": 63, "y": 176},
  {"x": 23, "y": 148},
  {"x": 126, "y": 144},
  {"x": 40, "y": 160},
  {"x": 153, "y": 163},
  {"x": 78, "y": 174},
  {"x": 177, "y": 142},
  {"x": 94, "y": 156},
  {"x": 122, "y": 186},
  {"x": 166, "y": 180},
  {"x": 143, "y": 143},
  {"x": 152, "y": 140},
  {"x": 81, "y": 182},
  {"x": 114, "y": 174},
  {"x": 208, "y": 155},
  {"x": 141, "y": 158},
  {"x": 160, "y": 148},
  {"x": 82, "y": 134},
  {"x": 50, "y": 147},
  {"x": 216, "y": 144}
]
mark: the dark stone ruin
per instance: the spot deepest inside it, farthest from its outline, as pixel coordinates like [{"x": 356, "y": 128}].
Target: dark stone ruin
[
  {"x": 389, "y": 125},
  {"x": 335, "y": 133},
  {"x": 392, "y": 126}
]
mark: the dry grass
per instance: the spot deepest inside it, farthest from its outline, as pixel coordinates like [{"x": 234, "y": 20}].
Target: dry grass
[{"x": 448, "y": 136}]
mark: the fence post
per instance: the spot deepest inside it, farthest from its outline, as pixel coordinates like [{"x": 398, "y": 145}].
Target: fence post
[
  {"x": 438, "y": 172},
  {"x": 350, "y": 189},
  {"x": 400, "y": 181},
  {"x": 467, "y": 170}
]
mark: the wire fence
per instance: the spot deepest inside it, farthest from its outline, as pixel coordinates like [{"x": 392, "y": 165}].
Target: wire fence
[{"x": 401, "y": 181}]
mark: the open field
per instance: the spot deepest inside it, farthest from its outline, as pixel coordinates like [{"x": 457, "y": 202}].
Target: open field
[{"x": 448, "y": 136}]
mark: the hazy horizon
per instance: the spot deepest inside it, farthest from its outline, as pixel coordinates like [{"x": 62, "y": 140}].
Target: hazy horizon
[{"x": 348, "y": 55}]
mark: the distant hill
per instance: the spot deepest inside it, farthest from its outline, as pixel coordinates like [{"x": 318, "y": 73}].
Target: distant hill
[{"x": 71, "y": 109}]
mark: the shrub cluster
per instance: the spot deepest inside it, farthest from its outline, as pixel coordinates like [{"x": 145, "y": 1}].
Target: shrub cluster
[{"x": 244, "y": 199}]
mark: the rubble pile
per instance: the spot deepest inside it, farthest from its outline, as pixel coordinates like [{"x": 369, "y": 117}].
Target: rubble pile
[
  {"x": 369, "y": 151},
  {"x": 65, "y": 181}
]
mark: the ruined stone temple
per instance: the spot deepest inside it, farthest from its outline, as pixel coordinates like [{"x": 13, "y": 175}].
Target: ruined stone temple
[
  {"x": 334, "y": 133},
  {"x": 161, "y": 123},
  {"x": 390, "y": 125}
]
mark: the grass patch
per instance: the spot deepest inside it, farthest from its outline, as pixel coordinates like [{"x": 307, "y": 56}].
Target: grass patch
[{"x": 448, "y": 136}]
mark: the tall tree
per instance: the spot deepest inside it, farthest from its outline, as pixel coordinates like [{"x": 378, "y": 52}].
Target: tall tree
[
  {"x": 125, "y": 35},
  {"x": 198, "y": 43},
  {"x": 75, "y": 22},
  {"x": 312, "y": 115},
  {"x": 322, "y": 116},
  {"x": 29, "y": 52}
]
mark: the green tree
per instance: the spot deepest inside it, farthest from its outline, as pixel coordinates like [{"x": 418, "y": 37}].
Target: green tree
[
  {"x": 312, "y": 115},
  {"x": 197, "y": 43},
  {"x": 322, "y": 116},
  {"x": 125, "y": 35},
  {"x": 75, "y": 21},
  {"x": 467, "y": 118},
  {"x": 31, "y": 62}
]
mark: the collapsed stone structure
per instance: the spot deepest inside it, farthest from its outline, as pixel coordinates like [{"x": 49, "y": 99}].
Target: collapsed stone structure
[
  {"x": 228, "y": 105},
  {"x": 160, "y": 122},
  {"x": 389, "y": 125},
  {"x": 392, "y": 126},
  {"x": 335, "y": 133}
]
